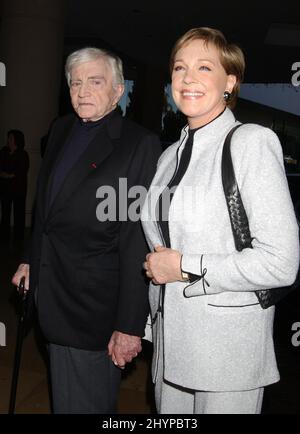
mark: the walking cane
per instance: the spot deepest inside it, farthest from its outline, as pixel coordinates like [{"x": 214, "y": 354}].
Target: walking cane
[{"x": 19, "y": 343}]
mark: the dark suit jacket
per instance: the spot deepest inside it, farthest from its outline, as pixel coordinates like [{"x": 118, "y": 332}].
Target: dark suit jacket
[{"x": 89, "y": 273}]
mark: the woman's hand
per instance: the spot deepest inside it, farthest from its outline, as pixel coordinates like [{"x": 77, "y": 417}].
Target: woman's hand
[{"x": 163, "y": 265}]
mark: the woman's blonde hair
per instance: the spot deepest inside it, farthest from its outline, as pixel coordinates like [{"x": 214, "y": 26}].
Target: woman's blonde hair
[{"x": 231, "y": 56}]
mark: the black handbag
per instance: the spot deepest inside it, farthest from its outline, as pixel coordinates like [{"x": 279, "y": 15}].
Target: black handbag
[{"x": 240, "y": 225}]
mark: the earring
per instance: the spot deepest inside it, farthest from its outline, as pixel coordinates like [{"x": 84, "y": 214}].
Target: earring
[{"x": 226, "y": 95}]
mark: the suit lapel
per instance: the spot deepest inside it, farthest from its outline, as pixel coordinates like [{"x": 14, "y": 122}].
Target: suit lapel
[
  {"x": 97, "y": 151},
  {"x": 54, "y": 154}
]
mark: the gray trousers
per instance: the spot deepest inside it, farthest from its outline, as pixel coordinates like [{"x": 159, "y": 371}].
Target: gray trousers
[
  {"x": 85, "y": 382},
  {"x": 172, "y": 399}
]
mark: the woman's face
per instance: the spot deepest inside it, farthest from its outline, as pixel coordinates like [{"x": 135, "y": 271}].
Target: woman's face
[{"x": 199, "y": 82}]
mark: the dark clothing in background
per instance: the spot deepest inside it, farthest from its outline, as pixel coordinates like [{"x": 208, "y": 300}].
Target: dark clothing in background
[{"x": 13, "y": 190}]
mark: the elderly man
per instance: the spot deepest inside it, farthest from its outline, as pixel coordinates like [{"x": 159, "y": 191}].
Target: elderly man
[{"x": 85, "y": 270}]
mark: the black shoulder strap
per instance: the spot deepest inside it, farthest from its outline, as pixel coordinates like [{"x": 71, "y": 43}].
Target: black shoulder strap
[
  {"x": 237, "y": 213},
  {"x": 240, "y": 224},
  {"x": 228, "y": 175}
]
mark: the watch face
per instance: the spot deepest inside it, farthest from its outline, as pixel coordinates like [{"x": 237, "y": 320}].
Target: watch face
[{"x": 185, "y": 276}]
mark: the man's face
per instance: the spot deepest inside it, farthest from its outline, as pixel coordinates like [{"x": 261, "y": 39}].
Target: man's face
[{"x": 93, "y": 93}]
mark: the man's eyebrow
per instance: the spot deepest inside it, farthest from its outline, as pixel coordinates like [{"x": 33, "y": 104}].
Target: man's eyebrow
[
  {"x": 96, "y": 76},
  {"x": 93, "y": 77}
]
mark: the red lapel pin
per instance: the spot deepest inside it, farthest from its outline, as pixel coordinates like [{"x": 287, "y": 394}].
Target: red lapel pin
[{"x": 94, "y": 165}]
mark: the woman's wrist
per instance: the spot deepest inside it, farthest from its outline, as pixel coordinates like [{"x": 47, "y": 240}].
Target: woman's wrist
[{"x": 184, "y": 275}]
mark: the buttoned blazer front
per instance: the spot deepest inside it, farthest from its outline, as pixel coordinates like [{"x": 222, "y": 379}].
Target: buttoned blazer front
[
  {"x": 216, "y": 336},
  {"x": 88, "y": 272}
]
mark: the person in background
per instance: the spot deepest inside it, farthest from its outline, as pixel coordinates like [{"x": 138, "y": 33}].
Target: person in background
[
  {"x": 84, "y": 271},
  {"x": 14, "y": 166},
  {"x": 213, "y": 343}
]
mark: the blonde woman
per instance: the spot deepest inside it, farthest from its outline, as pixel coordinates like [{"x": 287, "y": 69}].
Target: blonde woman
[{"x": 213, "y": 343}]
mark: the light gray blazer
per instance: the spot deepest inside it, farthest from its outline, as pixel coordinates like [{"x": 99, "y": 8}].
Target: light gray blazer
[{"x": 216, "y": 336}]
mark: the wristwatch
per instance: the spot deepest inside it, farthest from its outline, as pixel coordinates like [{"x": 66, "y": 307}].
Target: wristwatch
[{"x": 185, "y": 276}]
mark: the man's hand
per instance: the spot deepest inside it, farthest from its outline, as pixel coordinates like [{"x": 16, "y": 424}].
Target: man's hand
[
  {"x": 122, "y": 348},
  {"x": 163, "y": 265},
  {"x": 23, "y": 270}
]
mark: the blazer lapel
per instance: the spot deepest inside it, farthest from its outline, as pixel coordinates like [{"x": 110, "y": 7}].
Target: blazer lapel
[
  {"x": 54, "y": 155},
  {"x": 97, "y": 151}
]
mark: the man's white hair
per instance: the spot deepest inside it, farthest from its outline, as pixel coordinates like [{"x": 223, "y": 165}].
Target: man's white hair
[{"x": 90, "y": 54}]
